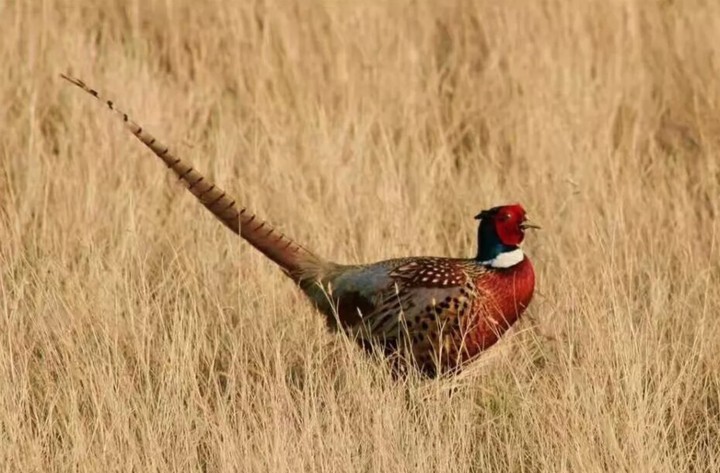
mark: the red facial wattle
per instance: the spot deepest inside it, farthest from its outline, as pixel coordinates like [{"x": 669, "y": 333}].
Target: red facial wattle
[
  {"x": 510, "y": 236},
  {"x": 508, "y": 224}
]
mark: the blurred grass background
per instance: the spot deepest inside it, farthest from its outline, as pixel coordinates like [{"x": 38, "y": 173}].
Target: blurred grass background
[{"x": 140, "y": 335}]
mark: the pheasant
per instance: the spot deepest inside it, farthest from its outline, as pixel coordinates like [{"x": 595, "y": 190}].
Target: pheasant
[{"x": 435, "y": 313}]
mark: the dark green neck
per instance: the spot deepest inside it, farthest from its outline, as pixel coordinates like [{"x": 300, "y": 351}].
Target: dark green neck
[{"x": 489, "y": 244}]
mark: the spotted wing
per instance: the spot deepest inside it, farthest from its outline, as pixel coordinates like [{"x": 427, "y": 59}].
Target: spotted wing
[
  {"x": 432, "y": 273},
  {"x": 427, "y": 308}
]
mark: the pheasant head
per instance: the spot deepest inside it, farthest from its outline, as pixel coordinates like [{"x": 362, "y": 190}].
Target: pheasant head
[{"x": 500, "y": 233}]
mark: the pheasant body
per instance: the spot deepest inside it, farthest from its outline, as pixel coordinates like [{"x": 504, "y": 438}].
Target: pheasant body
[
  {"x": 438, "y": 312},
  {"x": 443, "y": 312}
]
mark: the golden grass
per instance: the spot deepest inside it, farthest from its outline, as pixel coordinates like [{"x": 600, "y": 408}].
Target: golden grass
[{"x": 140, "y": 335}]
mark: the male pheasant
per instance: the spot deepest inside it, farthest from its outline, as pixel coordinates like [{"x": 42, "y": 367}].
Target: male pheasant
[{"x": 438, "y": 313}]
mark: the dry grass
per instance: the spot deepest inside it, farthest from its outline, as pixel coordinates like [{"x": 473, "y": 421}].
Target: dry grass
[{"x": 139, "y": 335}]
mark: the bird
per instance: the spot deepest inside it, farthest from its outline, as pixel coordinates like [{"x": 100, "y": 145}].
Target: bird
[{"x": 436, "y": 314}]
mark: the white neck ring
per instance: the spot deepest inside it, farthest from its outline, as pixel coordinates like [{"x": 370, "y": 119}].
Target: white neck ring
[{"x": 507, "y": 259}]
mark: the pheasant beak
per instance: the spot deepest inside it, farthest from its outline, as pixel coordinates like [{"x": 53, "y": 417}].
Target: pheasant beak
[{"x": 526, "y": 224}]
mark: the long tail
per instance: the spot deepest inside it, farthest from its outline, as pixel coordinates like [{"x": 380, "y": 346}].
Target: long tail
[{"x": 298, "y": 262}]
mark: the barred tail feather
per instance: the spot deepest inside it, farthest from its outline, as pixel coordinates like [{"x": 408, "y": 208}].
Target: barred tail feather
[{"x": 297, "y": 261}]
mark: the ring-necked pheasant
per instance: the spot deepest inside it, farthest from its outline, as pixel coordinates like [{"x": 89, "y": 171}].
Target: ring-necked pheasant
[{"x": 441, "y": 312}]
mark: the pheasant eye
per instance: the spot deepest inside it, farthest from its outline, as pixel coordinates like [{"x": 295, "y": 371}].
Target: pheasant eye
[{"x": 505, "y": 217}]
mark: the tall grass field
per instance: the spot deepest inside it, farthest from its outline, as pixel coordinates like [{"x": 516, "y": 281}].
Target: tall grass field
[{"x": 139, "y": 334}]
